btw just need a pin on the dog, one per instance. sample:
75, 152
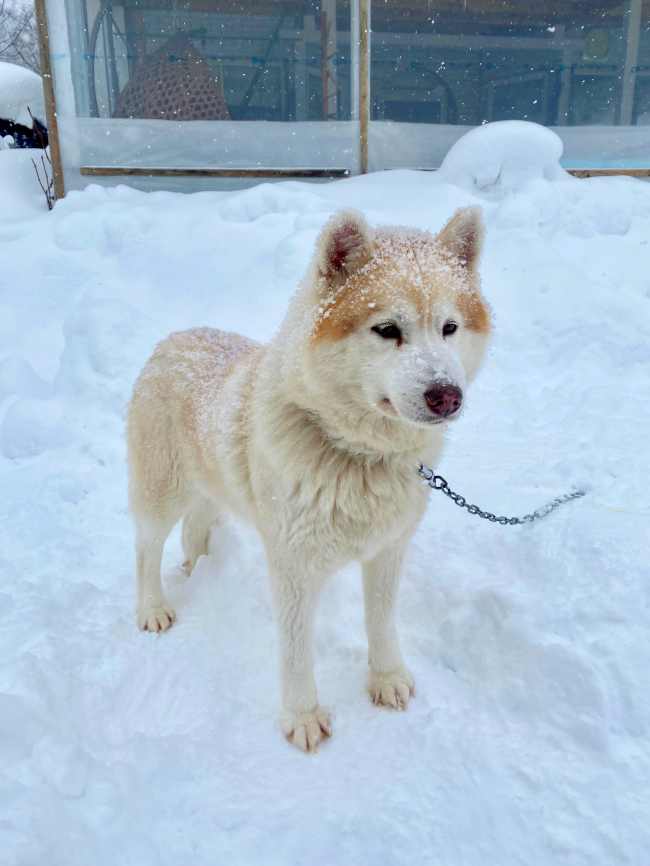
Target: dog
316, 437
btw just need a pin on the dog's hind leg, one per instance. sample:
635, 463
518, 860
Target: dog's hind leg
198, 521
154, 611
158, 498
159, 493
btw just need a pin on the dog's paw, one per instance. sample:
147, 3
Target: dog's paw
391, 690
307, 730
158, 618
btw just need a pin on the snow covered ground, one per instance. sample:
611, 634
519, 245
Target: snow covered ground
528, 739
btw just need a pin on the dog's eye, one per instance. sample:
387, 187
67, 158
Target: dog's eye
449, 328
389, 331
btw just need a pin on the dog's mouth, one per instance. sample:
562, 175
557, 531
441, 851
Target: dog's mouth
387, 408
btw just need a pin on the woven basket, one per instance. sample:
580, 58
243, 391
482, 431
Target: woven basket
174, 83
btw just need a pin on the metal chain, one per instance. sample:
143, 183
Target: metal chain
437, 482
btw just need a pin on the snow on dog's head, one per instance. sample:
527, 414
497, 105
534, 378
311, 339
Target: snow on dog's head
399, 326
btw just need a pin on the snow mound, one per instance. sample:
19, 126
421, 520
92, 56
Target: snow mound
268, 199
20, 89
31, 427
20, 195
504, 156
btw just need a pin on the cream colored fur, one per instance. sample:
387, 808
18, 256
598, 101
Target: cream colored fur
316, 441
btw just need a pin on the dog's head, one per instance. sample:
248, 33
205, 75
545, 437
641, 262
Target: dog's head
400, 326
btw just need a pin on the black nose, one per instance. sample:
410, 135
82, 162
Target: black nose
444, 400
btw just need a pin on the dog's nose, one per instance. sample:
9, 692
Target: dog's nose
444, 400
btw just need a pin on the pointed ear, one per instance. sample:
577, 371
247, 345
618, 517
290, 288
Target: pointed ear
463, 236
344, 246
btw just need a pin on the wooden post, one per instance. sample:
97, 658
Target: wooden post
364, 83
50, 99
140, 171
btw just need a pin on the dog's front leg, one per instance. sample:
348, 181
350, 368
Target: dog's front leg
389, 681
295, 593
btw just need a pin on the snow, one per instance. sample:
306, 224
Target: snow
503, 156
528, 738
21, 198
20, 90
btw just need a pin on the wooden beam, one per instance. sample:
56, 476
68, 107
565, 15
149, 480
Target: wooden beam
49, 97
591, 172
364, 83
609, 172
139, 171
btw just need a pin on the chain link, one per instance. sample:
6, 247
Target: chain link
437, 482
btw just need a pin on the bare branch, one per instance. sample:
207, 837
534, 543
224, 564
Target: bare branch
18, 35
46, 182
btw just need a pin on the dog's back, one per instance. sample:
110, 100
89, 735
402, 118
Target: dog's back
189, 391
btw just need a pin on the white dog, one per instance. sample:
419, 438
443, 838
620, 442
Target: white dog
315, 437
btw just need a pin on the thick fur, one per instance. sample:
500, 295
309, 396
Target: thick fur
315, 437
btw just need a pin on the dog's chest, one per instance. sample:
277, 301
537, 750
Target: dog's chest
354, 510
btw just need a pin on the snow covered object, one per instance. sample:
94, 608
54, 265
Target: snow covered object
21, 92
503, 156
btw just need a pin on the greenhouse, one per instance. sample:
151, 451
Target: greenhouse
192, 94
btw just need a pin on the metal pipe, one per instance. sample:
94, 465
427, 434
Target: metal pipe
628, 81
354, 60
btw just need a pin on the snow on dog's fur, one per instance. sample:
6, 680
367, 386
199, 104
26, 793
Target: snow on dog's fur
315, 437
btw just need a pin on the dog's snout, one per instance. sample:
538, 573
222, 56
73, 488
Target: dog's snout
444, 400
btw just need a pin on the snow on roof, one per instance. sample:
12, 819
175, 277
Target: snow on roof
20, 89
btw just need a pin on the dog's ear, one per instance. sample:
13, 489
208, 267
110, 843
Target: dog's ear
462, 236
344, 246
